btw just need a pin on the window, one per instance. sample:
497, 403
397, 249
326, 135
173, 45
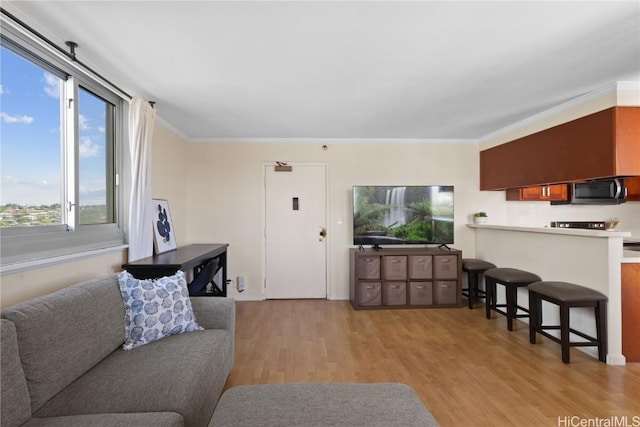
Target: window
60, 141
31, 143
95, 158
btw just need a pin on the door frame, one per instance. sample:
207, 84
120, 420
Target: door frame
327, 247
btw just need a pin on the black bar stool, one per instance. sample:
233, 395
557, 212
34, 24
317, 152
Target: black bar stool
511, 279
474, 268
567, 295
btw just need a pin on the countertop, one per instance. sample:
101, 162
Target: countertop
628, 256
553, 230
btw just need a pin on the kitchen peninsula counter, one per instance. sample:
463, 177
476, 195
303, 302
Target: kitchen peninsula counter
628, 256
554, 230
590, 258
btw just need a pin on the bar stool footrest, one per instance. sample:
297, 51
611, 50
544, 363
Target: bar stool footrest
481, 294
590, 343
497, 309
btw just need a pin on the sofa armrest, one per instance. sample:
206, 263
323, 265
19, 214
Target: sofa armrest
215, 312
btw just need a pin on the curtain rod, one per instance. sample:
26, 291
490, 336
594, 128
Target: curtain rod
68, 56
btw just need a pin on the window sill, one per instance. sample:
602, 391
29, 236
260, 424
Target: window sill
45, 262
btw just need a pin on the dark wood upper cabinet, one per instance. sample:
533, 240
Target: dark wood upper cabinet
600, 145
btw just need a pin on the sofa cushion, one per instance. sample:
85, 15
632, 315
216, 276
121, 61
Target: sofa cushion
316, 404
63, 335
182, 373
146, 419
15, 405
155, 308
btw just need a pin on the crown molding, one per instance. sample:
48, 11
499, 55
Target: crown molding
172, 128
330, 140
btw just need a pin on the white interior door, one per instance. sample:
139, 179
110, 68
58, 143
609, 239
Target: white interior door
295, 232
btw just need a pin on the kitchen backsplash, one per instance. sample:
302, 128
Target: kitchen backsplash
540, 214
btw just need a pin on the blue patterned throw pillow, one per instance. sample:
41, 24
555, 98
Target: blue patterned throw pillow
155, 308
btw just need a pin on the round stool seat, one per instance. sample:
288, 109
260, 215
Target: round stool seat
511, 276
471, 264
474, 269
566, 292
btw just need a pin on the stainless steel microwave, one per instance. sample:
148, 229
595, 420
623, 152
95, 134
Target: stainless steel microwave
599, 192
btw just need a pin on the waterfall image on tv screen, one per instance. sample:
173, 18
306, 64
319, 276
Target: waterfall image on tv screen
400, 215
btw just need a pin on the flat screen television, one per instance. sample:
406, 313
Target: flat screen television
402, 215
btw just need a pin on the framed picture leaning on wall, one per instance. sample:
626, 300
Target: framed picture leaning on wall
164, 238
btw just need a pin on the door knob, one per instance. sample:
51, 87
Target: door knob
323, 234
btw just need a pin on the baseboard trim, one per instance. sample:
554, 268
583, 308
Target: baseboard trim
248, 297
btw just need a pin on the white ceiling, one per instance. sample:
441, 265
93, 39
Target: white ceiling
348, 69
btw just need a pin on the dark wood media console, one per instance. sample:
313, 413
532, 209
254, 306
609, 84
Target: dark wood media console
405, 278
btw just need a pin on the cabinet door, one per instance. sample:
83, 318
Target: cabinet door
632, 184
556, 192
631, 311
533, 193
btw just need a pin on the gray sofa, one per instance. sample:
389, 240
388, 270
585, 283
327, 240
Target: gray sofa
63, 363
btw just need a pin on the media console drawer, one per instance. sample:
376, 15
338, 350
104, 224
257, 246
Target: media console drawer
369, 267
405, 278
420, 266
369, 294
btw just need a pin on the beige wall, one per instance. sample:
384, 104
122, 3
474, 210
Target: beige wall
168, 181
216, 194
226, 194
18, 287
169, 172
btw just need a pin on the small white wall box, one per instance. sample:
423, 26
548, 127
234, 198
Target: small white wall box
242, 283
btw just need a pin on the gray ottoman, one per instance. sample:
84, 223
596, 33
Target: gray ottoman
319, 405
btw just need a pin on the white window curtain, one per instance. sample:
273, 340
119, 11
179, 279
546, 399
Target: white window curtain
142, 118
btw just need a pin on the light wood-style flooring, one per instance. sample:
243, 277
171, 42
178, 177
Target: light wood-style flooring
468, 371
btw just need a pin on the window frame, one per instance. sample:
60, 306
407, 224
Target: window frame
24, 245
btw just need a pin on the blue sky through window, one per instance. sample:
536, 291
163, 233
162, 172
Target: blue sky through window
30, 141
92, 149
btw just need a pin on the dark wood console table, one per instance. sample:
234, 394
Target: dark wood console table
184, 258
